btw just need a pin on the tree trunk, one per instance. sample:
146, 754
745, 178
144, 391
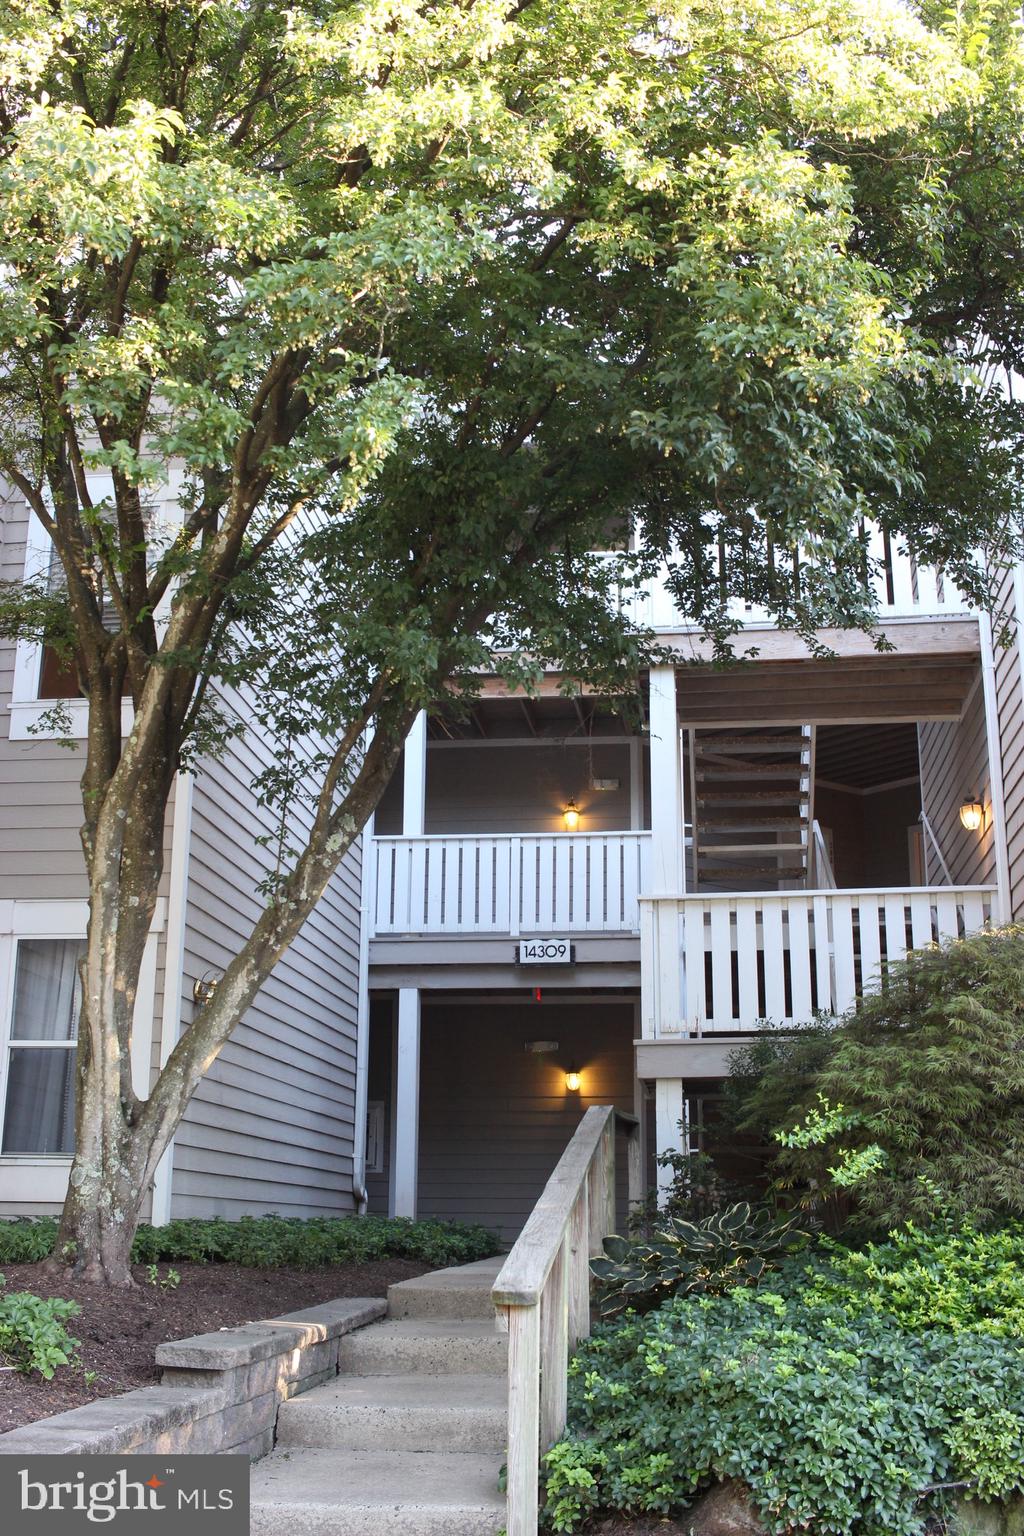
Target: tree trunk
120, 1138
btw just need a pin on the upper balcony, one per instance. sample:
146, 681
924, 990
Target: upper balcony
902, 589
541, 883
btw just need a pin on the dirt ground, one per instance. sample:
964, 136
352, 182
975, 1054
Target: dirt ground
120, 1330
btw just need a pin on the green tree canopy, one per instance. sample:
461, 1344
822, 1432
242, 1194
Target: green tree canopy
413, 304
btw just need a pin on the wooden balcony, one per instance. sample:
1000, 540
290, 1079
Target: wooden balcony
726, 964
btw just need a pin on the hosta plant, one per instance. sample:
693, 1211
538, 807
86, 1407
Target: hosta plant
728, 1248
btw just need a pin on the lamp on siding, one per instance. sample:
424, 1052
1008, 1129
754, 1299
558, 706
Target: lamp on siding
573, 1080
571, 815
972, 814
203, 989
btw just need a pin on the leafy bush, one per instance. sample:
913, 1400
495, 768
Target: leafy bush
929, 1077
272, 1242
27, 1240
728, 1248
837, 1423
962, 1280
841, 1394
32, 1332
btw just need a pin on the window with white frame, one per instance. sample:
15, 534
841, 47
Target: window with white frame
41, 678
41, 1048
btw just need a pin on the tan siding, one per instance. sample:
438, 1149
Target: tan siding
954, 764
270, 1127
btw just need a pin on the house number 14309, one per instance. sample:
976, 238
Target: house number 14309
544, 952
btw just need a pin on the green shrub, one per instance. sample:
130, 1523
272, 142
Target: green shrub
841, 1394
32, 1332
27, 1240
929, 1078
963, 1280
728, 1248
837, 1424
273, 1242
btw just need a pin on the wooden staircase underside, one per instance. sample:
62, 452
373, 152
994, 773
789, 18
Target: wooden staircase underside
855, 691
751, 796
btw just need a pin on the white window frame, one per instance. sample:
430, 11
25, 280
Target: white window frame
33, 1178
27, 709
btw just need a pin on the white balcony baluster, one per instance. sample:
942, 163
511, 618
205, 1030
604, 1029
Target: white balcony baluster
725, 964
536, 883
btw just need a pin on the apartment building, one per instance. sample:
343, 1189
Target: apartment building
568, 909
558, 904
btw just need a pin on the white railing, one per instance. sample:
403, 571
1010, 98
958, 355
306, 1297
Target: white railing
902, 588
557, 882
542, 1295
822, 873
726, 963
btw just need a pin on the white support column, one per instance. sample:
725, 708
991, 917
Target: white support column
668, 1113
174, 965
414, 783
406, 1104
667, 832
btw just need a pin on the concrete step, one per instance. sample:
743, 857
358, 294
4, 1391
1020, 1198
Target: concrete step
376, 1493
401, 1413
462, 1294
424, 1346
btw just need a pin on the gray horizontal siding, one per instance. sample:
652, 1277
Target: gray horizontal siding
1010, 707
513, 788
271, 1126
40, 807
495, 1118
954, 764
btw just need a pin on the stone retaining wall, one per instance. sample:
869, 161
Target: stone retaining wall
218, 1392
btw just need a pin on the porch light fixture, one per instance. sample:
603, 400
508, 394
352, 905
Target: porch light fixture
203, 989
972, 814
573, 1081
571, 815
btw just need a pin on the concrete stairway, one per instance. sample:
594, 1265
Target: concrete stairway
409, 1438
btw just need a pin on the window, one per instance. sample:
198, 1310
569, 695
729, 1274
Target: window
39, 1112
40, 676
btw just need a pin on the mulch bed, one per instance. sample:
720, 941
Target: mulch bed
119, 1330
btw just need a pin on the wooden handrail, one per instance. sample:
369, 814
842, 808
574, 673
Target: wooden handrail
543, 1295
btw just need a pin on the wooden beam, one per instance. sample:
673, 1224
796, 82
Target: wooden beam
910, 637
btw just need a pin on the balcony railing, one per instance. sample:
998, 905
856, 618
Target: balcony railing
902, 587
725, 964
555, 882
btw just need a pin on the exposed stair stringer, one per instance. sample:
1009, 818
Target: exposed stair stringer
751, 806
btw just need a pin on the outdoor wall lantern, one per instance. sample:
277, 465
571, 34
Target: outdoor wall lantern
573, 1080
203, 989
972, 814
571, 815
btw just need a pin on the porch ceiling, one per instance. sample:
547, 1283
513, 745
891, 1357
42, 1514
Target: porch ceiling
851, 691
496, 717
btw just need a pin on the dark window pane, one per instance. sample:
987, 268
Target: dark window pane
57, 678
40, 1114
